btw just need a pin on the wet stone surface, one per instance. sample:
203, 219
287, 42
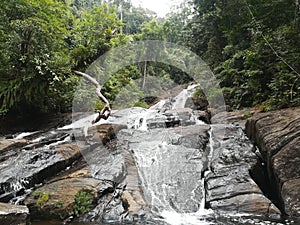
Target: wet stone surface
154, 166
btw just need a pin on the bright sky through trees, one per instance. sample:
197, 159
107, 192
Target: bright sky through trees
161, 7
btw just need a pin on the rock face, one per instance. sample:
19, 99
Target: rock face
31, 164
277, 135
238, 117
60, 199
13, 214
196, 103
143, 162
229, 186
105, 132
8, 144
170, 162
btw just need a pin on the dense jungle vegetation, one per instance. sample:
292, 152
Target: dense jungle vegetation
252, 46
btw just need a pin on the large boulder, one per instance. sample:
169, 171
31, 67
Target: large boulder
238, 117
105, 132
9, 144
25, 168
132, 196
277, 135
229, 185
62, 198
14, 214
196, 103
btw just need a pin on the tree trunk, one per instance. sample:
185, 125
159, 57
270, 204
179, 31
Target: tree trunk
145, 75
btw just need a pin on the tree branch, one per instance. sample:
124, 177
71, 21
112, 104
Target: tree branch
106, 111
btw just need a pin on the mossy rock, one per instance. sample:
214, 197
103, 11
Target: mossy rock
198, 101
63, 198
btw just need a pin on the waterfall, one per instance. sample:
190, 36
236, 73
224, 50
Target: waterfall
178, 166
170, 174
200, 216
181, 98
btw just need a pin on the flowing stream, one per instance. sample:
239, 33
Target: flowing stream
171, 172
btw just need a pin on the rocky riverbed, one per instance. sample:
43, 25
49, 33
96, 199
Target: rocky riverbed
163, 165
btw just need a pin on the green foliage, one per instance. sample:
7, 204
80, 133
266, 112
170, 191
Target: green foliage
99, 105
42, 198
141, 104
59, 204
41, 41
247, 115
257, 61
199, 94
93, 34
253, 49
133, 18
83, 203
35, 52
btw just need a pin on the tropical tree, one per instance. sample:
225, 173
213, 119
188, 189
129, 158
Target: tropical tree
34, 51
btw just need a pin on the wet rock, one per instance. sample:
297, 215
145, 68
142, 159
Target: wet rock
195, 136
27, 168
155, 119
184, 116
229, 185
14, 214
128, 117
170, 162
254, 203
289, 192
133, 201
204, 116
132, 196
144, 161
60, 199
105, 165
238, 117
10, 147
104, 160
9, 144
126, 202
49, 139
110, 209
277, 135
196, 103
105, 132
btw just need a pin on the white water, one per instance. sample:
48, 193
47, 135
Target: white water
79, 123
24, 134
211, 145
159, 105
136, 119
141, 121
182, 97
197, 218
161, 166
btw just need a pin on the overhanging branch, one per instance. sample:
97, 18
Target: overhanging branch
106, 111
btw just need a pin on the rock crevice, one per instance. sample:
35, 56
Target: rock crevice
277, 134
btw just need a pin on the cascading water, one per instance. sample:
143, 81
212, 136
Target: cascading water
181, 98
171, 175
176, 156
